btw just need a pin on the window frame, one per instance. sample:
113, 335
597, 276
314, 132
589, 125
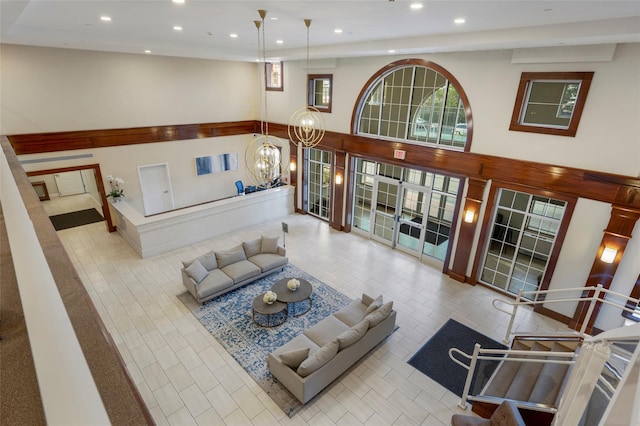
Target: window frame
527, 79
311, 80
268, 73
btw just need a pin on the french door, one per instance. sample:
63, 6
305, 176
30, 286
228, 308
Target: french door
398, 212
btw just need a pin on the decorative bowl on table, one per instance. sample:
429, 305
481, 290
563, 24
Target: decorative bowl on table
269, 297
293, 284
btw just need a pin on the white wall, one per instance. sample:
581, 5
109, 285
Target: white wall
607, 139
49, 90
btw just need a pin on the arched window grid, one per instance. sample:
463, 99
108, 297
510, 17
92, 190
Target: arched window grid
414, 104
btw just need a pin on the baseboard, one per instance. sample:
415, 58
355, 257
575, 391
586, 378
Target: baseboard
553, 315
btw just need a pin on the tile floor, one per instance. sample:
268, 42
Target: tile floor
187, 378
71, 203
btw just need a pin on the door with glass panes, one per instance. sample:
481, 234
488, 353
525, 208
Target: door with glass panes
318, 182
523, 234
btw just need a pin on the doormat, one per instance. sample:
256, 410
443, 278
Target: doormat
73, 219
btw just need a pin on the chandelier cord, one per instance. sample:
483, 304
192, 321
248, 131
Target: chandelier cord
260, 76
263, 14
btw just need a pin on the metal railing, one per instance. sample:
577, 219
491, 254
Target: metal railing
599, 296
500, 355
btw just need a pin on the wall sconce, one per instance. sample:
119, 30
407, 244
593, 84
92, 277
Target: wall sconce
469, 215
608, 255
338, 179
292, 166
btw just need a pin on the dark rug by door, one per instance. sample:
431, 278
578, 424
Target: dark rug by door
73, 219
433, 358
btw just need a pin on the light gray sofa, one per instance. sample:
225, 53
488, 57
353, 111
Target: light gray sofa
218, 272
312, 360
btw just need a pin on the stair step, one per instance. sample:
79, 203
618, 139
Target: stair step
526, 377
551, 378
504, 374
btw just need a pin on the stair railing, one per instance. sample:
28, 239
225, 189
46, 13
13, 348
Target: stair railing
500, 355
599, 296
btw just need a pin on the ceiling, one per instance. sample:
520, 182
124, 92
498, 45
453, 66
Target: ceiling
369, 27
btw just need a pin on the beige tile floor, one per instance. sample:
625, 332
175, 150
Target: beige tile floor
187, 378
71, 203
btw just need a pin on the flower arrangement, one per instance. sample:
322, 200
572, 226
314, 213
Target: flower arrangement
293, 284
269, 297
116, 184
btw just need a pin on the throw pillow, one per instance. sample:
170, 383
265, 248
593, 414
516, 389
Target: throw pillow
352, 335
227, 257
318, 359
251, 248
208, 260
377, 316
269, 245
294, 357
196, 271
374, 305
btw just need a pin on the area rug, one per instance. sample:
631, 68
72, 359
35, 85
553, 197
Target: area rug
228, 319
433, 358
73, 219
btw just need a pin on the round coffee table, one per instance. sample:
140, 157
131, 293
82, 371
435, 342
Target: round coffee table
268, 311
301, 295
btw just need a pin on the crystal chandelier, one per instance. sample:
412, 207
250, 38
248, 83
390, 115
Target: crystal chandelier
263, 158
306, 125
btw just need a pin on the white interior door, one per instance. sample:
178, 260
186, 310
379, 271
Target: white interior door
155, 183
70, 183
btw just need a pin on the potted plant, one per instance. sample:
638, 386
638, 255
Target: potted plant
117, 192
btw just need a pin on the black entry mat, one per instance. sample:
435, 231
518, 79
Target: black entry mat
73, 219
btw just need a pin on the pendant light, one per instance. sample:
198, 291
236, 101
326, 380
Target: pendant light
306, 125
263, 158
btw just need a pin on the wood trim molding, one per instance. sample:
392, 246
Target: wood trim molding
620, 190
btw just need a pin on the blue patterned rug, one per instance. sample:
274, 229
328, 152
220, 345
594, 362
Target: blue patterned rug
228, 319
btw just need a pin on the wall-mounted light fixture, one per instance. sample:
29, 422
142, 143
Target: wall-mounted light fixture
469, 215
338, 179
608, 255
292, 166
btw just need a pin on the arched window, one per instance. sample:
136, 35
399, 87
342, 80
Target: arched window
417, 101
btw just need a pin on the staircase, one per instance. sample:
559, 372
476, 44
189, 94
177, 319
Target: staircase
532, 374
560, 380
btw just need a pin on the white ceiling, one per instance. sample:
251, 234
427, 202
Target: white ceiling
369, 27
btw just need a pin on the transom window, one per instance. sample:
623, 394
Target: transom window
415, 103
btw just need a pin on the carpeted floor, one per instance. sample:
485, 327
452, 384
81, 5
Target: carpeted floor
433, 358
73, 219
228, 318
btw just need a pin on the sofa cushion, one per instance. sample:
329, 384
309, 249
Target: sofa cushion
351, 314
374, 305
227, 257
251, 248
196, 271
318, 359
299, 342
268, 261
216, 281
241, 270
208, 260
269, 245
326, 330
353, 334
377, 316
294, 357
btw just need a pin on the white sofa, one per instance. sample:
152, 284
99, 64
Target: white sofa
218, 272
312, 360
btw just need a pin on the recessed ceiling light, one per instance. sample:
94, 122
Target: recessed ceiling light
178, 1
416, 6
337, 31
459, 20
147, 51
279, 41
177, 27
105, 18
233, 35
273, 18
391, 51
